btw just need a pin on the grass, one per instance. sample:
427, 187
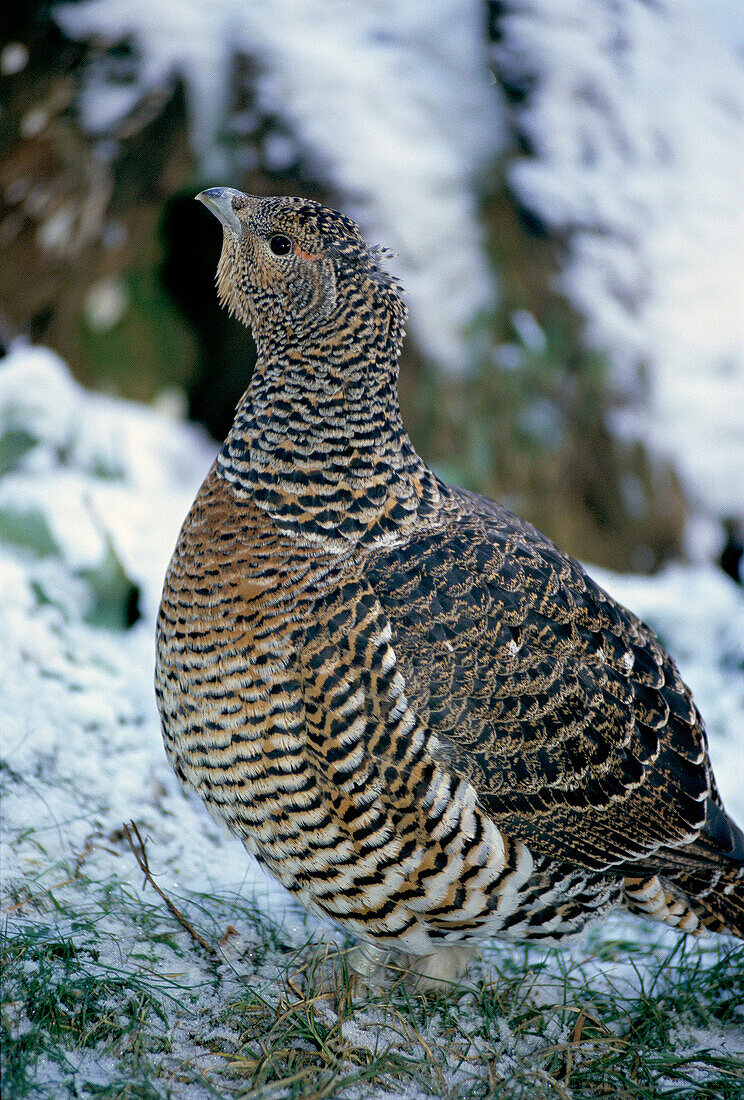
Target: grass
106, 994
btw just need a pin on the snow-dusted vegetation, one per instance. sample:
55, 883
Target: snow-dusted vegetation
402, 134
634, 118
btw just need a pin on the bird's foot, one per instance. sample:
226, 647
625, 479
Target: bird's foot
371, 963
330, 976
440, 972
436, 973
335, 976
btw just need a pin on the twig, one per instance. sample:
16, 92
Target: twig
140, 854
41, 894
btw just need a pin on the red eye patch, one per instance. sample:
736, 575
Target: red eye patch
306, 255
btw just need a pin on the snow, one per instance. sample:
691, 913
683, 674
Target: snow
392, 104
80, 745
80, 731
636, 121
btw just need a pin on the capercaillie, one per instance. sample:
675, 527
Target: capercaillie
426, 720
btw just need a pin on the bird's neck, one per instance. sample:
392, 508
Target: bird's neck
319, 444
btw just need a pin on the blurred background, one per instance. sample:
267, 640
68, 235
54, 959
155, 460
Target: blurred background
562, 183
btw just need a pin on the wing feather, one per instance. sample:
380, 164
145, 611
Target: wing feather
558, 704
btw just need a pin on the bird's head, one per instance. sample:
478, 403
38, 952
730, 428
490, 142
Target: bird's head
291, 264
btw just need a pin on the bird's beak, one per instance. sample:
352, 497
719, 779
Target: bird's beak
220, 201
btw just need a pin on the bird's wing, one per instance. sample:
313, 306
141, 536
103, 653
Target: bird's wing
555, 702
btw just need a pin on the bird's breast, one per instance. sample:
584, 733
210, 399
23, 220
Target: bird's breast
236, 598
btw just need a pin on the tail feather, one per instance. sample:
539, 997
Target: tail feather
715, 896
698, 886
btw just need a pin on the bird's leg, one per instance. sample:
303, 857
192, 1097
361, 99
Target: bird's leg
370, 961
426, 973
331, 975
435, 973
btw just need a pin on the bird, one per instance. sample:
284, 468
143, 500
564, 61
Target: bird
421, 716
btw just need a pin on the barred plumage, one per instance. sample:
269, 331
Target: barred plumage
424, 718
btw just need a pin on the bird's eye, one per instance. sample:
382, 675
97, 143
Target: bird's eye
280, 245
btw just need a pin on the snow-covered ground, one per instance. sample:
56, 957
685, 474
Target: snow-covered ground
101, 481
95, 488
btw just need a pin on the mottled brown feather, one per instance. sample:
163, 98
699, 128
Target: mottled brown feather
423, 717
